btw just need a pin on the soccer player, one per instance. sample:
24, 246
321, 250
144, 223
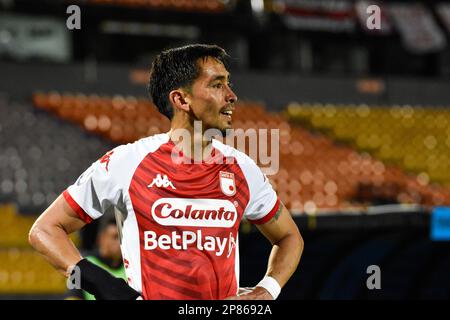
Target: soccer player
178, 219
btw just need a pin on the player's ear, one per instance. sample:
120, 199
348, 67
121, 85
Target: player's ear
179, 99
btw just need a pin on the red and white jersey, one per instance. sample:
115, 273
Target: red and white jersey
178, 222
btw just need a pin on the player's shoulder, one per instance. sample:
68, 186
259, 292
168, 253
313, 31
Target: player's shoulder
142, 146
242, 159
252, 172
131, 154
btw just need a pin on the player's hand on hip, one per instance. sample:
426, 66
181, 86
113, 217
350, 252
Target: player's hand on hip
257, 293
245, 290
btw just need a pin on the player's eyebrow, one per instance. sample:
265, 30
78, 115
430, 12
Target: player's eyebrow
221, 78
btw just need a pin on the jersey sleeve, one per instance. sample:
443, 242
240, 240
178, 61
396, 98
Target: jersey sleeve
98, 189
264, 202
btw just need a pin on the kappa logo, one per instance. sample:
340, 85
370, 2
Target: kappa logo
227, 183
106, 158
161, 182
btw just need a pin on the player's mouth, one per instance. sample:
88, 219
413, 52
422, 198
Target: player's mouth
227, 113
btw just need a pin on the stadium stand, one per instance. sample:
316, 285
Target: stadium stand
393, 135
414, 138
35, 163
35, 166
307, 179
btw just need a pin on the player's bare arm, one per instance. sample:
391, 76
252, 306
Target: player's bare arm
50, 235
287, 249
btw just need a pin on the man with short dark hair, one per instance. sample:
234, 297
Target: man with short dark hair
179, 198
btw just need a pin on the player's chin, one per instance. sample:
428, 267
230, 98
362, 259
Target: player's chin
226, 128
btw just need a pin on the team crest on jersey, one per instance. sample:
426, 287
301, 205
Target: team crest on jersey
227, 183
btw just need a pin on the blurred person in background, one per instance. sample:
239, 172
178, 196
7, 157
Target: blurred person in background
107, 256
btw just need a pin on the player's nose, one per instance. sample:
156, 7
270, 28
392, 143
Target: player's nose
231, 97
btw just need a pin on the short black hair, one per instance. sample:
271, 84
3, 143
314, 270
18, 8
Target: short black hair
106, 221
178, 68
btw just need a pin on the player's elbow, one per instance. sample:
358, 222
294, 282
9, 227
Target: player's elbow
298, 241
35, 235
293, 242
301, 243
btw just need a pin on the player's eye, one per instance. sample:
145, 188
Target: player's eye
218, 85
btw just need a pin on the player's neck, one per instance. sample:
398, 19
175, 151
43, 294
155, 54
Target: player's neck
190, 140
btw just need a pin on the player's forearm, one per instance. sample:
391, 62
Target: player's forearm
53, 242
285, 257
55, 245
